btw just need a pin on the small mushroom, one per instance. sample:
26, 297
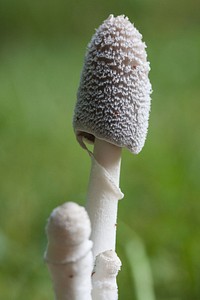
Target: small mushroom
104, 285
68, 254
112, 112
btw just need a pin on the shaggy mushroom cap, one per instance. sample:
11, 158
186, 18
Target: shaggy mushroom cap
113, 100
68, 230
68, 224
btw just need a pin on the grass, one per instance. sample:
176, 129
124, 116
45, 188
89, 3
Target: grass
41, 165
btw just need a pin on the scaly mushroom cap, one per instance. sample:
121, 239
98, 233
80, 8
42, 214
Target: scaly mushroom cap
113, 100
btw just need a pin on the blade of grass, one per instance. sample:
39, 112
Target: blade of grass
141, 274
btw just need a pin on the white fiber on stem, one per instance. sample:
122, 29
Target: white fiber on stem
68, 255
103, 195
107, 266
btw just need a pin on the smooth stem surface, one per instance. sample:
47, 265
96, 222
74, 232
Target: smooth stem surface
72, 281
103, 195
109, 157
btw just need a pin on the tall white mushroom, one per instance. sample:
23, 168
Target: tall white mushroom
112, 111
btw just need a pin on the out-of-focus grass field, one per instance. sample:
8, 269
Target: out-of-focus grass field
42, 44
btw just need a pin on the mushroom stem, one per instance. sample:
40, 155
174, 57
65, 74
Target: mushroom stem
109, 156
103, 195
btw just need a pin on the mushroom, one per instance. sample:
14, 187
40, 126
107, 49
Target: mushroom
104, 285
112, 112
68, 254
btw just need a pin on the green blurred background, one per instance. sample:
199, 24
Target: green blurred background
42, 44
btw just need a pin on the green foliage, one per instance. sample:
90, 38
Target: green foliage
42, 165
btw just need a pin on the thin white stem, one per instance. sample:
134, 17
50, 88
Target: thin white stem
107, 266
68, 255
103, 195
109, 156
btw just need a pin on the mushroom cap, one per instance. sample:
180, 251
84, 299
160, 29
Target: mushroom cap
113, 100
68, 225
68, 230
